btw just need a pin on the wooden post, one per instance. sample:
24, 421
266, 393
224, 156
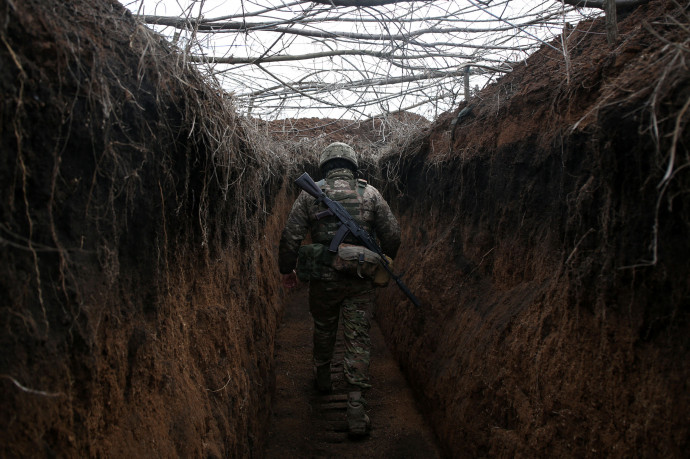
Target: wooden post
467, 83
251, 107
611, 21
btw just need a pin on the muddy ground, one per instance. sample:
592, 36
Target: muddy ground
546, 235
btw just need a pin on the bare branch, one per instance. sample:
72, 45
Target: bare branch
32, 391
599, 4
301, 57
365, 3
244, 27
357, 57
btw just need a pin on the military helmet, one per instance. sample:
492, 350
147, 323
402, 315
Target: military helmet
338, 150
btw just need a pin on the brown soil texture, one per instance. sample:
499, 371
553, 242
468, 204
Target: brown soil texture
551, 255
140, 219
357, 133
136, 319
305, 423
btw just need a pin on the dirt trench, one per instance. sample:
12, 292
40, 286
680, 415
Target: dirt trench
135, 319
545, 234
306, 424
140, 218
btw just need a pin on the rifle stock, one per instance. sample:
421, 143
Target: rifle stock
348, 225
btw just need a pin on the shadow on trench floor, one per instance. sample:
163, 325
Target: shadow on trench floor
305, 424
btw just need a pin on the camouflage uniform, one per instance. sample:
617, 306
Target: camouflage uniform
337, 291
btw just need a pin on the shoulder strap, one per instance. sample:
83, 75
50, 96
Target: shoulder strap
361, 186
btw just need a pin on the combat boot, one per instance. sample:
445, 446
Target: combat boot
322, 378
358, 423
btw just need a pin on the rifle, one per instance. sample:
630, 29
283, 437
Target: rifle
349, 226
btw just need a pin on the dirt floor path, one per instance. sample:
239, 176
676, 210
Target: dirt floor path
306, 424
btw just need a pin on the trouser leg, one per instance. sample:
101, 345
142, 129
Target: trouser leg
325, 313
325, 330
356, 325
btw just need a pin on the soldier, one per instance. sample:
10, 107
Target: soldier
332, 292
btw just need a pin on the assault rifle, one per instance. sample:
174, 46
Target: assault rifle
349, 226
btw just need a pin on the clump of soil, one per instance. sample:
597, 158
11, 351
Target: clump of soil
546, 235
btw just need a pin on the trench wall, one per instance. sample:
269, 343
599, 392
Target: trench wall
138, 225
550, 255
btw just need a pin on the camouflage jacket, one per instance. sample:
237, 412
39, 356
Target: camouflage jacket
373, 214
